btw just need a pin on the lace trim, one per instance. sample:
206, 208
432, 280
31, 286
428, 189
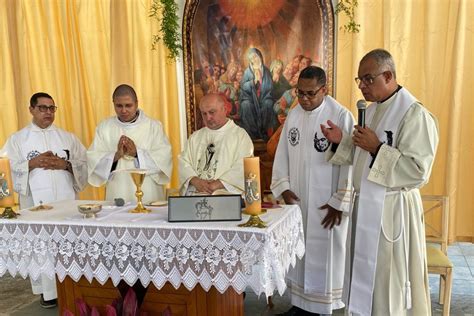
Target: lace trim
240, 259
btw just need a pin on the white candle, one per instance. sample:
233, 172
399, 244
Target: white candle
253, 200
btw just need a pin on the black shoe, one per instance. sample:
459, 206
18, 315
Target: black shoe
293, 311
48, 304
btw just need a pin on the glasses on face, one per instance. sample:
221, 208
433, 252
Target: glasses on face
367, 79
309, 94
45, 108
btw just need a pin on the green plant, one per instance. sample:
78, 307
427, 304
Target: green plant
164, 11
348, 7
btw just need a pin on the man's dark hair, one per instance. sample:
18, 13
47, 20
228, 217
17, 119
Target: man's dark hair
313, 72
34, 98
124, 89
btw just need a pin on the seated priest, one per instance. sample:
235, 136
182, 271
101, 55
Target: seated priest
213, 157
48, 164
129, 140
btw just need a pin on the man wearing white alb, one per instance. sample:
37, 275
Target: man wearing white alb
392, 158
48, 164
301, 175
213, 156
127, 141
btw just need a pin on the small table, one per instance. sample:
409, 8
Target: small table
195, 268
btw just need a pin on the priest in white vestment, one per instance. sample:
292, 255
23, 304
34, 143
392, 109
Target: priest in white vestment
301, 175
48, 164
213, 156
129, 140
392, 158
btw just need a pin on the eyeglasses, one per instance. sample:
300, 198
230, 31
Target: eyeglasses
367, 79
309, 94
45, 108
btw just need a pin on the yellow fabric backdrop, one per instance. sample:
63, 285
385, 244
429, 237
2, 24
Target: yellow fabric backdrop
79, 51
432, 42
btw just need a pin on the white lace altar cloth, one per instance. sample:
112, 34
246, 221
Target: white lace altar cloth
146, 247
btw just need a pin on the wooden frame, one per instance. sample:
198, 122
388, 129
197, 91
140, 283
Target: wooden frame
278, 33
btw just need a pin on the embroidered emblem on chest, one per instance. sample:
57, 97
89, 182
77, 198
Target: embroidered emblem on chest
320, 144
294, 136
32, 154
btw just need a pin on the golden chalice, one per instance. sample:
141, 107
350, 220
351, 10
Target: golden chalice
138, 177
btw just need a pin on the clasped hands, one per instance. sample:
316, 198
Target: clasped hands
125, 147
206, 186
363, 137
48, 161
333, 216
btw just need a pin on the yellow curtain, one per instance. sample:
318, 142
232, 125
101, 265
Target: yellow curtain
78, 52
432, 42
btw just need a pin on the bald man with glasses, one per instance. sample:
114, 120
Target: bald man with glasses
48, 164
392, 157
301, 175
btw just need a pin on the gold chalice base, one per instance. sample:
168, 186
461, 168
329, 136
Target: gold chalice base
140, 209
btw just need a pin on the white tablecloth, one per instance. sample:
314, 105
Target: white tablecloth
125, 246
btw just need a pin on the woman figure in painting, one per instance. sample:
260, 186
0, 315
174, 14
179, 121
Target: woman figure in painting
228, 88
280, 84
256, 102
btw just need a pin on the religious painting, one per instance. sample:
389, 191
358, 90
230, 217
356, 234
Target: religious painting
251, 52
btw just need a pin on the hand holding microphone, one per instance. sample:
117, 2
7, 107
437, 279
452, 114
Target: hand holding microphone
361, 106
363, 136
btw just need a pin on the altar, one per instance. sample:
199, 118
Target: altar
193, 268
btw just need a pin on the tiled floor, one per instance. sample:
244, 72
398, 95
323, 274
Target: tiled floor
16, 298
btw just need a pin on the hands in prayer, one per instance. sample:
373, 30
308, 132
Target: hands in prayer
290, 197
125, 147
258, 76
48, 161
333, 217
366, 139
206, 186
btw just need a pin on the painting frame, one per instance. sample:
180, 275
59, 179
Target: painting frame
189, 18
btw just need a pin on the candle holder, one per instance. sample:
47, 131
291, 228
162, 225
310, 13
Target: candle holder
9, 213
252, 196
138, 177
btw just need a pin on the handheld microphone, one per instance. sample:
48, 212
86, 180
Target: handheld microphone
361, 105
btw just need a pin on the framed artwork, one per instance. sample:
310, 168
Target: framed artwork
251, 52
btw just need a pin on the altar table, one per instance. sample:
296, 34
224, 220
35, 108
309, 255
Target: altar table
199, 268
